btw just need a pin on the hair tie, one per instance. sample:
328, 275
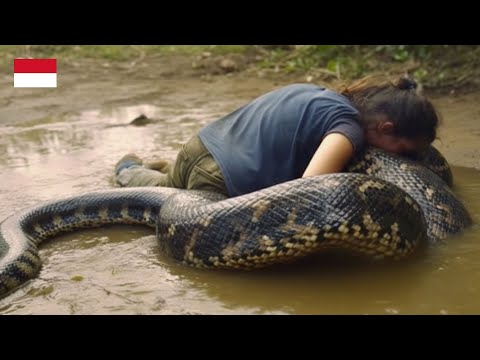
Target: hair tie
407, 84
411, 86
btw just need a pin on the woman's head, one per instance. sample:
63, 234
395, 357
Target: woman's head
394, 116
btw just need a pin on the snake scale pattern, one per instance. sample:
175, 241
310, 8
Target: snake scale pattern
384, 207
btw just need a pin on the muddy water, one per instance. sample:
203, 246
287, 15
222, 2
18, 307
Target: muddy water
119, 270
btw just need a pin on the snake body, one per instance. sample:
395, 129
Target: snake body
386, 207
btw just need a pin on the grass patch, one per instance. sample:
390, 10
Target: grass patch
434, 66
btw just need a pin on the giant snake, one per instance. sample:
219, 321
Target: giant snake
384, 207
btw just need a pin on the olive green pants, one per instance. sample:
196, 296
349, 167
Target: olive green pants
194, 169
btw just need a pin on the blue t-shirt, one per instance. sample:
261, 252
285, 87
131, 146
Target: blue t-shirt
273, 138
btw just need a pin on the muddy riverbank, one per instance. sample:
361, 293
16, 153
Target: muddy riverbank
57, 142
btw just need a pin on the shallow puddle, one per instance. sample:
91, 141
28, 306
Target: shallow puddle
119, 269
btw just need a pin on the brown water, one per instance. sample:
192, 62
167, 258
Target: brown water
119, 270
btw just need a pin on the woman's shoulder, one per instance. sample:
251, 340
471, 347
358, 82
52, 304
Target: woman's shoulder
316, 90
304, 86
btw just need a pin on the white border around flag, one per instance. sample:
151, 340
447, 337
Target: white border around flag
34, 80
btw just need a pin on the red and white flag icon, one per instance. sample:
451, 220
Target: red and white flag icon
35, 73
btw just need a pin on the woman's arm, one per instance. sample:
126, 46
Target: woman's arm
331, 156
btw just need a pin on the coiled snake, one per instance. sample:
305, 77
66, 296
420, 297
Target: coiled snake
385, 207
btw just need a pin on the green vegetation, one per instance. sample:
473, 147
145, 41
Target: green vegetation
434, 66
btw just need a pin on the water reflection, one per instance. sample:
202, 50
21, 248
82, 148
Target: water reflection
57, 156
105, 131
120, 269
